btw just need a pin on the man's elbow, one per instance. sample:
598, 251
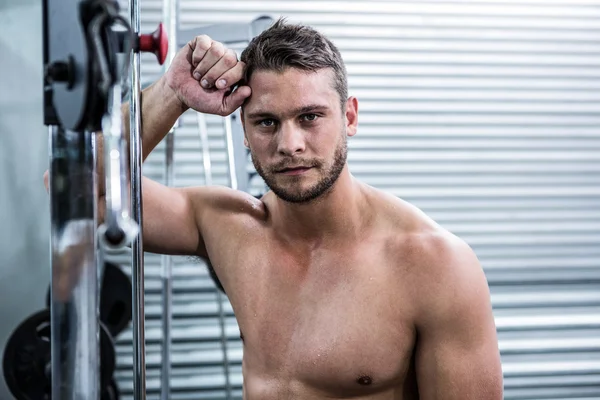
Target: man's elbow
492, 388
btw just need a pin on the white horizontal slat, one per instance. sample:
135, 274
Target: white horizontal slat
406, 7
421, 69
448, 59
484, 79
464, 46
508, 120
193, 18
552, 368
548, 322
549, 345
463, 34
367, 91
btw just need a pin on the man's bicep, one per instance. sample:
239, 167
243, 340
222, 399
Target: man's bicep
457, 353
170, 225
458, 366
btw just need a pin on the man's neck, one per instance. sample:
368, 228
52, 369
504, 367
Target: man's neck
338, 213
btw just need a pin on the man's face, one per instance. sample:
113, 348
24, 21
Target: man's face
297, 132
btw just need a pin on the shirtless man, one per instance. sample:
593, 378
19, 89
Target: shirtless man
340, 290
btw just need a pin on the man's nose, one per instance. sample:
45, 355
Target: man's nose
291, 140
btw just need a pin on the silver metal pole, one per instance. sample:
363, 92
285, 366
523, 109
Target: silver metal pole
118, 229
137, 254
203, 130
167, 288
224, 346
75, 347
234, 183
170, 19
231, 160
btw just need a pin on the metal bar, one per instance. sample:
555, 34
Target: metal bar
235, 133
234, 183
167, 269
228, 389
118, 229
231, 159
137, 254
75, 354
170, 19
203, 130
167, 288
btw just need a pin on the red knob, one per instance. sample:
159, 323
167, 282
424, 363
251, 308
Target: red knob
156, 42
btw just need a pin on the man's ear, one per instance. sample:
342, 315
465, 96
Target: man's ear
351, 116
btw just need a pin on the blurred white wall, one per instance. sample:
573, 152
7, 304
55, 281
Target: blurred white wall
24, 212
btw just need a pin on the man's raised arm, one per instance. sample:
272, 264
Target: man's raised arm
170, 215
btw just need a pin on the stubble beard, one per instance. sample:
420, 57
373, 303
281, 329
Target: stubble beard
290, 191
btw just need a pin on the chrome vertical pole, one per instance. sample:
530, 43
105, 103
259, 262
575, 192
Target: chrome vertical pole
75, 358
137, 254
234, 184
220, 299
170, 18
203, 130
231, 159
167, 289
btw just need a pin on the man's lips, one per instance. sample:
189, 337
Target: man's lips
294, 171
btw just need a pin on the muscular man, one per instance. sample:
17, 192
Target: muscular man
340, 290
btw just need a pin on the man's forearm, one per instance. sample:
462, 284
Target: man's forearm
160, 110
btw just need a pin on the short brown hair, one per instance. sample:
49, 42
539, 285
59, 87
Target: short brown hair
285, 45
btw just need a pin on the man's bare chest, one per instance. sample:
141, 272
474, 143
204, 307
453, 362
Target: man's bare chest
336, 323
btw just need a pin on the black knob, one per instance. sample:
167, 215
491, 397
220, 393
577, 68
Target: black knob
61, 71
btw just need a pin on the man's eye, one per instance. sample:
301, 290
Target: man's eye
267, 123
310, 117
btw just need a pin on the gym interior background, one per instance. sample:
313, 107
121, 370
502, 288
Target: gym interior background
486, 114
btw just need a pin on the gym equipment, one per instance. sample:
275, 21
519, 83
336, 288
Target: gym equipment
137, 246
115, 299
27, 363
170, 17
111, 392
82, 95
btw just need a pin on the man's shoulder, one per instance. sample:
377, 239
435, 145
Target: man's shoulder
409, 228
430, 254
